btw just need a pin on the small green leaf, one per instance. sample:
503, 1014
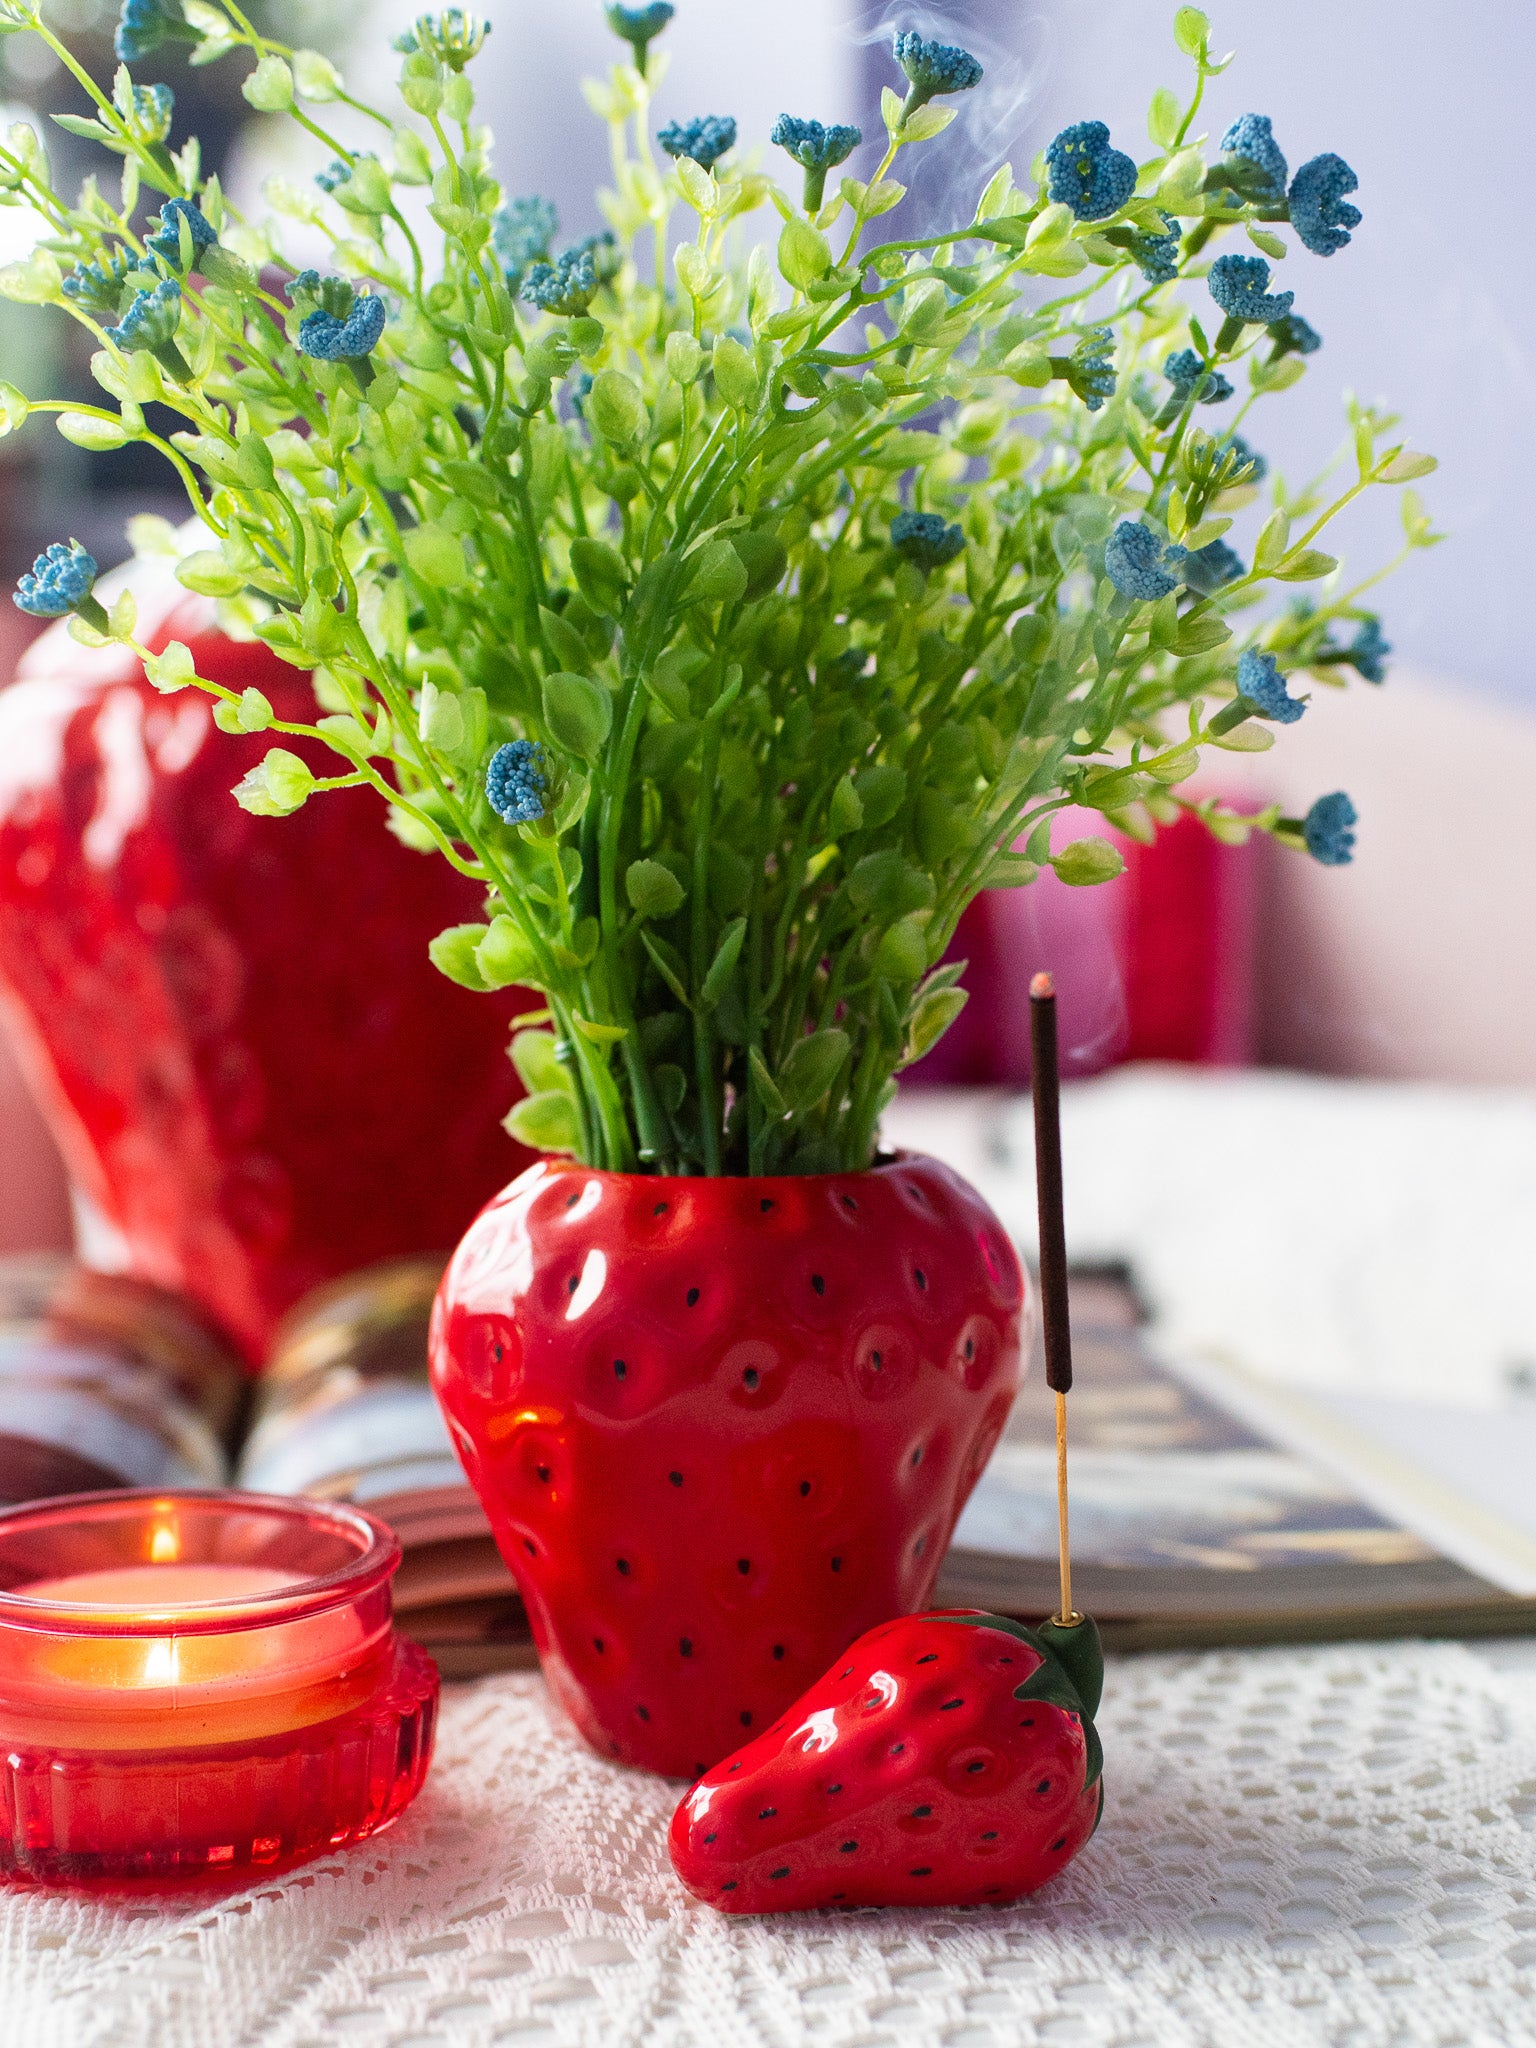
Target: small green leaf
1404, 468
276, 787
535, 1054
269, 88
1192, 31
578, 713
1087, 861
545, 1122
1010, 870
902, 953
804, 254
721, 968
1199, 636
505, 956
719, 574
14, 407
452, 953
811, 1066
616, 408
436, 556
598, 1034
172, 669
1270, 244
934, 1014
87, 430
600, 572
845, 813
1306, 567
653, 890
763, 1082
1163, 117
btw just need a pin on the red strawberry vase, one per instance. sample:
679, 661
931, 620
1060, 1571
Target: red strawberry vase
722, 1427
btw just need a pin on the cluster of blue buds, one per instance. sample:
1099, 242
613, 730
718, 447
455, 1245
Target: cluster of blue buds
1187, 373
607, 259
1294, 336
1240, 286
146, 111
522, 231
60, 581
1091, 369
514, 783
706, 138
567, 286
150, 325
816, 149
933, 68
1367, 653
166, 241
1157, 256
1083, 172
639, 26
1329, 830
97, 288
1317, 208
1212, 567
144, 25
330, 339
1139, 565
926, 540
335, 173
1260, 682
453, 36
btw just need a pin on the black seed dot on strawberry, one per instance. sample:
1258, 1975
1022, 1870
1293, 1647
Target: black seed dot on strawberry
743, 1565
874, 1699
837, 1896
921, 1812
572, 1284
818, 1283
768, 1813
528, 1546
729, 1885
1028, 1721
676, 1478
750, 1378
698, 1772
805, 1487
597, 1644
976, 1764
660, 1209
922, 1870
737, 1767
846, 1674
897, 1748
707, 1840
746, 1722
644, 1713
990, 1835
685, 1646
837, 1564
921, 1278
497, 1354
951, 1703
572, 1200
543, 1472
970, 1347
765, 1204
920, 1546
1043, 1787
931, 1658
782, 1871
623, 1565
876, 1360
917, 1455
692, 1296
620, 1369
847, 1848
1059, 1843
849, 1202
834, 1788
778, 1653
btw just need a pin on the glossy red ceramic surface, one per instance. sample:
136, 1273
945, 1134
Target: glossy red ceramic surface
200, 1683
943, 1762
722, 1427
257, 1077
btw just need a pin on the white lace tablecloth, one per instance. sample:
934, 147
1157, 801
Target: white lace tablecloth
1329, 1846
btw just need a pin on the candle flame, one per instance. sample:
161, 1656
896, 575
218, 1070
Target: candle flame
164, 1544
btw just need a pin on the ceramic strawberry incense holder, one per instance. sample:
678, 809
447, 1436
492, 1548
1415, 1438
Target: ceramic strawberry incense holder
949, 1758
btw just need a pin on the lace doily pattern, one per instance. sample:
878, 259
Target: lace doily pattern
1331, 1846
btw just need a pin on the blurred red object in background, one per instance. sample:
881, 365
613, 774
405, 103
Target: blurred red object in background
1156, 965
256, 1076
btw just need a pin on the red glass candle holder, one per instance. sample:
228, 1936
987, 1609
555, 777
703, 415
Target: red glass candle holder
199, 1684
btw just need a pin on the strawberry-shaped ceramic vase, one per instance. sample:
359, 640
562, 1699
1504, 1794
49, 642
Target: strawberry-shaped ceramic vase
948, 1759
722, 1426
258, 1079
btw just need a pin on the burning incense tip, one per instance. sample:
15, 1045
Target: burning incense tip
1041, 986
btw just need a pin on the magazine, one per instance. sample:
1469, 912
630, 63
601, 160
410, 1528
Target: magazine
1204, 1510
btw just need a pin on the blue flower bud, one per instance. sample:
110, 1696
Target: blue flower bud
166, 243
1139, 565
1090, 368
514, 785
1083, 172
925, 539
144, 25
1157, 256
567, 287
1369, 650
521, 233
1210, 567
706, 138
1328, 829
453, 36
151, 321
330, 339
933, 67
1238, 285
1293, 336
1260, 681
812, 146
607, 258
1250, 138
335, 173
60, 581
1186, 372
639, 26
147, 113
1320, 214
1250, 465
97, 288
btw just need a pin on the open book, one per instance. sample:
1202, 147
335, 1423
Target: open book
1203, 1509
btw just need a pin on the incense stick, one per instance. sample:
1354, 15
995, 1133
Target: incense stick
1053, 1249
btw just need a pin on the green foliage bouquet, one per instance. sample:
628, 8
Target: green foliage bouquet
733, 612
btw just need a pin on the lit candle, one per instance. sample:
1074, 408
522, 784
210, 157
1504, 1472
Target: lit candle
177, 1657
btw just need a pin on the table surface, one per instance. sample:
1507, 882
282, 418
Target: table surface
1323, 1846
